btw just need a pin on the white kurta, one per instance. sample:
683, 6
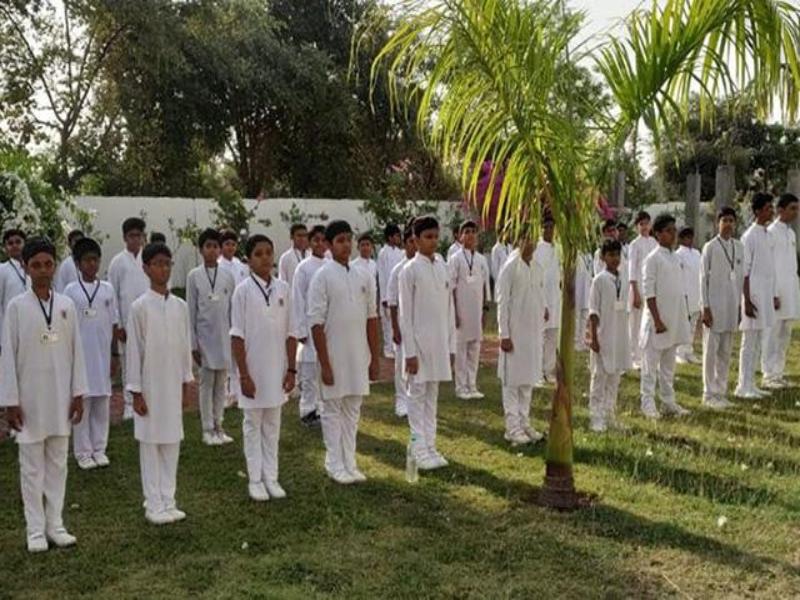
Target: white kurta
96, 320
608, 300
598, 266
342, 299
663, 280
287, 263
520, 317
264, 329
208, 296
388, 257
721, 280
369, 265
426, 316
66, 273
454, 247
583, 281
127, 277
159, 362
469, 276
13, 282
787, 284
300, 328
547, 258
500, 253
235, 267
41, 375
759, 266
690, 257
639, 249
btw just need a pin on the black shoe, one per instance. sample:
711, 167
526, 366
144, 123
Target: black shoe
312, 419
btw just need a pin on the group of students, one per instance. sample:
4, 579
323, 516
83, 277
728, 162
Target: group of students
315, 330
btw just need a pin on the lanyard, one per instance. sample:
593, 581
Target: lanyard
264, 293
469, 262
20, 274
618, 285
731, 259
48, 317
299, 255
94, 293
212, 282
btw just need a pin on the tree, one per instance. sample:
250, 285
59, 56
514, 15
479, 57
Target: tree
492, 79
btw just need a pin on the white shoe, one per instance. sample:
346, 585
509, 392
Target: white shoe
694, 360
101, 460
637, 366
427, 463
61, 538
716, 403
681, 360
400, 409
773, 384
127, 412
437, 459
223, 437
598, 426
517, 438
37, 543
463, 395
673, 408
275, 490
357, 476
476, 395
389, 355
210, 439
87, 463
651, 412
533, 435
257, 492
762, 393
158, 518
175, 514
342, 477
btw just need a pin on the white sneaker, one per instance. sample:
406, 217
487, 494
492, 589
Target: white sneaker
400, 409
357, 476
101, 460
257, 492
223, 437
87, 463
651, 412
61, 538
673, 408
37, 543
175, 514
533, 435
275, 490
762, 393
127, 412
342, 477
427, 463
158, 518
438, 460
476, 395
716, 403
210, 439
681, 360
773, 384
746, 394
694, 360
461, 395
517, 438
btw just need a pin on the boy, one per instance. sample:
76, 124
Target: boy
547, 259
96, 306
721, 281
608, 330
456, 245
608, 232
159, 359
298, 234
228, 259
126, 275
364, 259
640, 249
343, 316
209, 289
583, 284
665, 325
43, 383
388, 257
13, 280
759, 294
500, 252
469, 274
156, 237
622, 237
265, 356
428, 324
520, 322
393, 294
67, 271
690, 259
787, 292
308, 372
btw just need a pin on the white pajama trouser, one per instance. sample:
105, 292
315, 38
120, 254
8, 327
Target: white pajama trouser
603, 388
686, 351
43, 480
212, 398
386, 327
468, 355
634, 325
339, 429
159, 468
716, 362
517, 408
581, 317
261, 432
308, 379
127, 395
773, 359
753, 340
90, 436
657, 365
400, 383
423, 398
550, 343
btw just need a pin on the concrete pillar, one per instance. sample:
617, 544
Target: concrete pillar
692, 207
618, 193
725, 187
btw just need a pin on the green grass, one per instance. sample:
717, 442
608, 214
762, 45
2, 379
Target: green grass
468, 531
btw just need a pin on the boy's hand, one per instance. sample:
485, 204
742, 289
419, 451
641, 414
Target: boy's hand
708, 318
114, 366
326, 373
76, 410
121, 335
412, 366
660, 327
750, 309
374, 369
546, 315
14, 417
506, 345
594, 345
288, 381
139, 405
198, 358
248, 386
397, 338
777, 302
458, 321
637, 299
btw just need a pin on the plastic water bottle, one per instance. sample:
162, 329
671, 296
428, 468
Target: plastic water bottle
412, 473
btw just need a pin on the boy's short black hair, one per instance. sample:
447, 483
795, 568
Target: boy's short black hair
158, 238
760, 200
468, 225
227, 235
37, 245
390, 230
208, 235
9, 233
317, 230
365, 237
254, 240
408, 232
548, 218
642, 215
295, 228
663, 221
610, 246
786, 199
339, 227
609, 224
726, 211
73, 235
154, 249
622, 225
686, 232
133, 224
85, 246
425, 223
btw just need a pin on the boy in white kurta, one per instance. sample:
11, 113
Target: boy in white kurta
608, 328
364, 259
428, 324
13, 280
690, 259
665, 324
42, 384
287, 263
231, 263
759, 295
96, 307
391, 254
519, 291
343, 315
159, 356
583, 284
209, 289
456, 245
307, 367
500, 253
265, 355
126, 275
640, 248
547, 258
393, 296
787, 286
469, 275
721, 281
67, 271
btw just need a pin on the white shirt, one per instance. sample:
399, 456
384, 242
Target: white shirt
159, 361
41, 376
663, 280
721, 280
342, 300
127, 277
235, 267
787, 285
367, 264
690, 257
759, 266
469, 275
66, 273
300, 328
264, 329
427, 318
520, 317
583, 281
454, 247
96, 321
640, 248
13, 282
388, 257
393, 290
208, 297
500, 253
608, 299
288, 262
547, 258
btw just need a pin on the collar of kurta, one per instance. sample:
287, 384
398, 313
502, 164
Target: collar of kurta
345, 267
158, 295
664, 249
135, 257
260, 281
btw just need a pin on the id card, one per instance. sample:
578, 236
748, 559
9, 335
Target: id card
90, 313
733, 276
49, 338
619, 305
471, 279
213, 297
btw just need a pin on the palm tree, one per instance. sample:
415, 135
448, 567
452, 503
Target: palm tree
500, 80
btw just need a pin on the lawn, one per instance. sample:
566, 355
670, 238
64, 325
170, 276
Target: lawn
705, 507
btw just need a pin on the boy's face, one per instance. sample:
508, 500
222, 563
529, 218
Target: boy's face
210, 251
229, 248
548, 229
666, 237
612, 260
342, 246
318, 245
159, 269
365, 249
41, 267
686, 240
469, 238
622, 234
89, 265
765, 213
788, 214
134, 240
727, 226
300, 239
643, 227
395, 239
411, 247
610, 233
14, 246
428, 241
261, 259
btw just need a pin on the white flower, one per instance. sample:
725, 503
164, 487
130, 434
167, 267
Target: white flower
744, 467
770, 465
241, 474
649, 452
722, 521
245, 545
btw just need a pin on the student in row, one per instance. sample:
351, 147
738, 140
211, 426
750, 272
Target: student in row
391, 254
287, 264
640, 249
546, 257
67, 270
393, 298
364, 260
13, 279
690, 260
